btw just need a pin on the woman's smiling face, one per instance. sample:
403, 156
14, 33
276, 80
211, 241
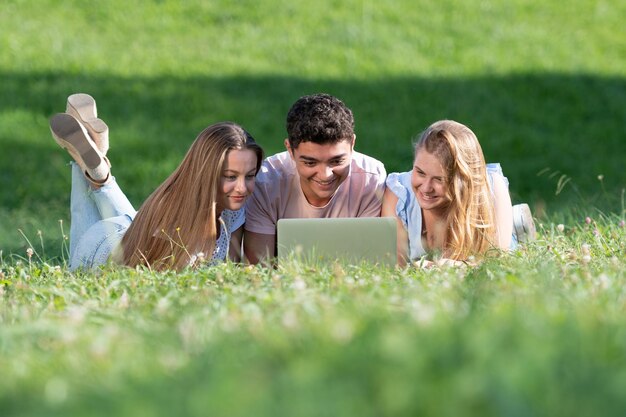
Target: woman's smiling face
429, 181
237, 181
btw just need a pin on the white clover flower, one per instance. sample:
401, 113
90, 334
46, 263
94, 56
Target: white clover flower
68, 335
76, 315
162, 305
290, 319
124, 301
604, 281
342, 330
422, 313
298, 284
187, 329
560, 227
586, 249
99, 347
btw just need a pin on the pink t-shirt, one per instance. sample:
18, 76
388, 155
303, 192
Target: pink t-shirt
278, 193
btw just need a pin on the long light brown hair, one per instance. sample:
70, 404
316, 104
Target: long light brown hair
178, 220
470, 214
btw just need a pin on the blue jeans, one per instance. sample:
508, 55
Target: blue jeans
99, 219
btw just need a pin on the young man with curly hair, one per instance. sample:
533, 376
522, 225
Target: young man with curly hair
319, 175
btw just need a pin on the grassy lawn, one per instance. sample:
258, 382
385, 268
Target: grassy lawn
538, 332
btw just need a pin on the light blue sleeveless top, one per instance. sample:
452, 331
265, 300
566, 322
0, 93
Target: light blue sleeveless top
410, 213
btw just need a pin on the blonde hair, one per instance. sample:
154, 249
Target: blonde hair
470, 213
178, 220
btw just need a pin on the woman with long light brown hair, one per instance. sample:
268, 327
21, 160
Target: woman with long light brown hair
195, 215
453, 205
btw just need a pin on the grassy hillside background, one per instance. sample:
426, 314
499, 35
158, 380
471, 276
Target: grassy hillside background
541, 83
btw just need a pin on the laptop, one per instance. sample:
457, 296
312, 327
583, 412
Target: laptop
356, 240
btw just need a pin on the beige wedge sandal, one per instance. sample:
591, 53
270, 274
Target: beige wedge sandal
71, 135
83, 108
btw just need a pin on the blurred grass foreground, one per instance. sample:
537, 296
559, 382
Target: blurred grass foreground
537, 332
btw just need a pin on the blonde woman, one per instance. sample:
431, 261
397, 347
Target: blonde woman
196, 214
452, 204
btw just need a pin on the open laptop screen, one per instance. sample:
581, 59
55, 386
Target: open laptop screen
363, 239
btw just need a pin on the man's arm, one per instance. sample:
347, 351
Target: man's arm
260, 216
259, 247
234, 249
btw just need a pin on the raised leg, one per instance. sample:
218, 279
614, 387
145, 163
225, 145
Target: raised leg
83, 210
90, 212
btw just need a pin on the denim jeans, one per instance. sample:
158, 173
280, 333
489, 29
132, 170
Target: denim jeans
99, 219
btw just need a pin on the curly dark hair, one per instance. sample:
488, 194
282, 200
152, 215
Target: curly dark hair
319, 118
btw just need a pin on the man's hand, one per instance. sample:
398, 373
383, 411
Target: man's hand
258, 247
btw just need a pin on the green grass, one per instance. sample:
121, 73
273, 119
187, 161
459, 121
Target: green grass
538, 332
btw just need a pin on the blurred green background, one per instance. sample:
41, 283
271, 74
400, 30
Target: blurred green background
541, 83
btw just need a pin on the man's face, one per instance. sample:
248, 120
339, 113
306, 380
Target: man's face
322, 168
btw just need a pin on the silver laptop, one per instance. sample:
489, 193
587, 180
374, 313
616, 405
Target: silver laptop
356, 240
